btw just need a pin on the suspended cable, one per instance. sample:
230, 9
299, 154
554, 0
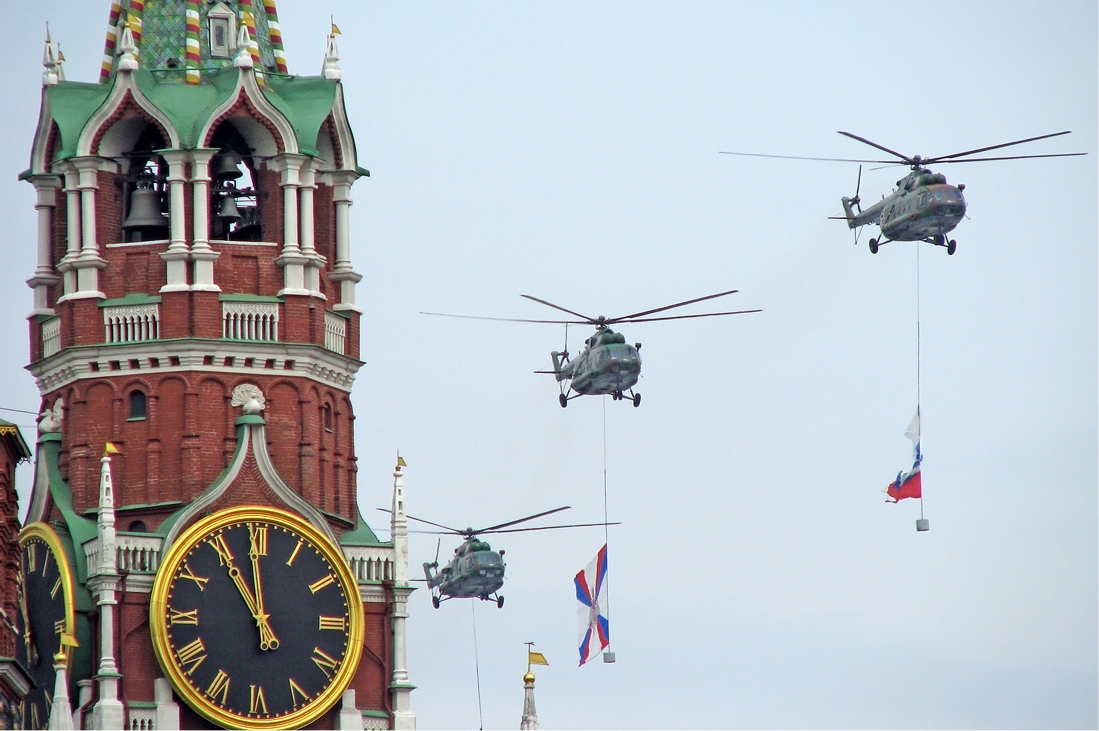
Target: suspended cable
21, 411
606, 520
918, 408
477, 665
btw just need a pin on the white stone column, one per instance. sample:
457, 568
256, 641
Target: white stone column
202, 254
308, 223
72, 213
342, 271
291, 260
108, 713
167, 710
178, 253
88, 262
44, 276
399, 688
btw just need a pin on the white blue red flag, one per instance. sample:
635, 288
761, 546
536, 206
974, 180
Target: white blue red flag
909, 484
595, 631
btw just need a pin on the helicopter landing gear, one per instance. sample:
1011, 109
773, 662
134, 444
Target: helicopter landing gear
499, 602
435, 602
951, 247
636, 400
563, 400
873, 246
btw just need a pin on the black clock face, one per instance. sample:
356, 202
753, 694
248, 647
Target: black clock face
257, 619
45, 614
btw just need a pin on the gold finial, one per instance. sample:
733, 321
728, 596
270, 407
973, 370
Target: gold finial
335, 28
400, 461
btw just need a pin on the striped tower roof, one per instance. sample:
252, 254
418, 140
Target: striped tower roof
173, 37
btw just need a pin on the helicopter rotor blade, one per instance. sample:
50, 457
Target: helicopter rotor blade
799, 157
627, 318
437, 545
551, 527
493, 528
1011, 157
908, 160
511, 319
421, 520
995, 147
585, 318
689, 317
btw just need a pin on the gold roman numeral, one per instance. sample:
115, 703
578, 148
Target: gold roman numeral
59, 626
219, 686
45, 562
32, 557
324, 661
257, 537
321, 583
193, 653
182, 617
295, 691
186, 573
294, 553
56, 588
337, 623
256, 701
218, 544
35, 721
49, 698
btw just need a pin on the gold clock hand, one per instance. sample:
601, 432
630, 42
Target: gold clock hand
32, 651
267, 638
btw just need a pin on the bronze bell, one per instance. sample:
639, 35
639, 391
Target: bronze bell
226, 167
145, 212
228, 209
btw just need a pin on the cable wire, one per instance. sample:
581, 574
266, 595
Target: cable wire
477, 665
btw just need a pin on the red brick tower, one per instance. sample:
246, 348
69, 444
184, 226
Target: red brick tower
195, 338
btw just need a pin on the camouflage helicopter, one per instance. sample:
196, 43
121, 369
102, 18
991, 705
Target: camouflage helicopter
608, 365
924, 207
476, 571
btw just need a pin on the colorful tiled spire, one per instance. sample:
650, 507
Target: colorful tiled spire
192, 52
275, 32
112, 38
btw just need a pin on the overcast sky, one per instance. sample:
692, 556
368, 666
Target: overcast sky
570, 151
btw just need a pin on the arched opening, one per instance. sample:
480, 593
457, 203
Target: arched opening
138, 405
138, 526
144, 184
234, 198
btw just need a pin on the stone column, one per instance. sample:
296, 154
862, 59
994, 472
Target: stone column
201, 252
72, 212
308, 226
291, 260
108, 713
342, 271
44, 276
400, 689
177, 254
88, 262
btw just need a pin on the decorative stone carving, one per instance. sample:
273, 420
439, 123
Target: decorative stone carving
50, 421
248, 396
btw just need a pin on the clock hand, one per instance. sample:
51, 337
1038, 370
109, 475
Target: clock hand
32, 651
265, 633
267, 639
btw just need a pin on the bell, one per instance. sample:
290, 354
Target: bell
145, 211
226, 166
228, 209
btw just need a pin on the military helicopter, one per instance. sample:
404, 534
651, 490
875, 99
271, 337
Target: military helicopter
924, 207
476, 571
607, 365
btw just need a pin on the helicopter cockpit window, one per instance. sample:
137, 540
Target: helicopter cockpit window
939, 194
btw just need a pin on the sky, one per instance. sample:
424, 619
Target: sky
758, 579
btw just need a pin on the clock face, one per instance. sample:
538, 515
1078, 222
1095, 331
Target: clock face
256, 619
45, 615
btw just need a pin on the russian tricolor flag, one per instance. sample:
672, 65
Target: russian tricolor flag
909, 484
595, 632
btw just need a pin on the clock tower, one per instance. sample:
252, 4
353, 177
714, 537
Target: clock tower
194, 534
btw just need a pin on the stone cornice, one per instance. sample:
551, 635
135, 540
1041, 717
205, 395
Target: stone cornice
74, 363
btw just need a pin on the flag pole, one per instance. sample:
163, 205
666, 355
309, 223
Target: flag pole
921, 524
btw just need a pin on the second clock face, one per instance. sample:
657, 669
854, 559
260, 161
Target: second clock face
257, 619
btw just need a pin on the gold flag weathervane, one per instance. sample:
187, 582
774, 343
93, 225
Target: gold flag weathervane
534, 658
109, 449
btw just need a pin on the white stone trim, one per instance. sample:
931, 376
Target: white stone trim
131, 323
51, 336
335, 332
250, 320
